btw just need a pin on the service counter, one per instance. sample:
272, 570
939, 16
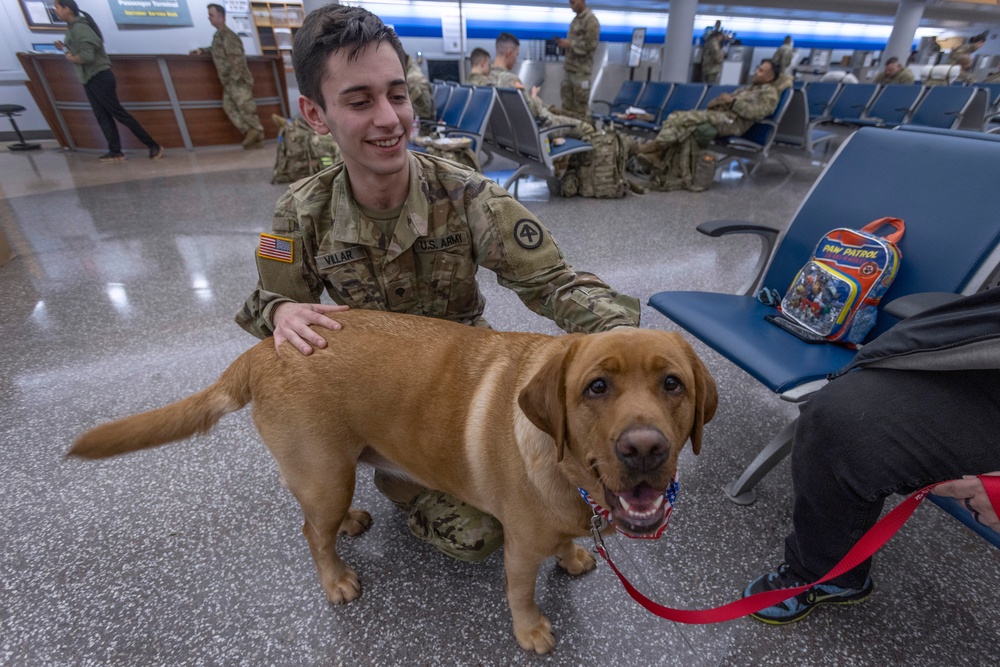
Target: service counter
177, 98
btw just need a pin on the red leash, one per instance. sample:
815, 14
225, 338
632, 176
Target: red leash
869, 543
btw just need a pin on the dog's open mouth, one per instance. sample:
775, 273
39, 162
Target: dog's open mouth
642, 509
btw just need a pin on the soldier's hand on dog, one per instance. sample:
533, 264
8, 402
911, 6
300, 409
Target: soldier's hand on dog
292, 321
970, 489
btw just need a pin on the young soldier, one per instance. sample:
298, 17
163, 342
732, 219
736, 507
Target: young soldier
479, 71
392, 230
894, 73
580, 45
237, 82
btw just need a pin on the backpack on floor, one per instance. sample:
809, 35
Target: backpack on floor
600, 172
301, 152
837, 292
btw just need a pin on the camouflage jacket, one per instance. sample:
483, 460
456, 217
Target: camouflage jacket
584, 34
955, 57
229, 58
712, 55
419, 89
903, 76
750, 103
501, 77
477, 79
453, 221
783, 56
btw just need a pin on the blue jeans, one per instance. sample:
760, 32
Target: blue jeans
873, 433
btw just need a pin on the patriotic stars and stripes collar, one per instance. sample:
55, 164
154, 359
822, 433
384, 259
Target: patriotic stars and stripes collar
602, 516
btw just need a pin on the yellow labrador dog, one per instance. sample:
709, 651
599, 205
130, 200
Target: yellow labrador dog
512, 423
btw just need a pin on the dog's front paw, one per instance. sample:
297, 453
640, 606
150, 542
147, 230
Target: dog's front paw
576, 560
344, 589
355, 523
535, 637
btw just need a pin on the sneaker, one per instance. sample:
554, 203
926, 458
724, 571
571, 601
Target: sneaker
798, 607
156, 153
112, 157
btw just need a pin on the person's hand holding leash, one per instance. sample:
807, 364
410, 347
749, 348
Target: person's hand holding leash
970, 489
292, 321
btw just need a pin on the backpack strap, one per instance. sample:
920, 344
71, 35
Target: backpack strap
896, 223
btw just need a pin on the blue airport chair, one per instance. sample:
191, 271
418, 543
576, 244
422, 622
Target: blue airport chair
442, 91
952, 108
852, 102
626, 97
820, 95
714, 91
683, 97
754, 145
475, 117
893, 104
951, 245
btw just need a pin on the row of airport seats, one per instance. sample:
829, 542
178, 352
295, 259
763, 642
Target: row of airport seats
659, 99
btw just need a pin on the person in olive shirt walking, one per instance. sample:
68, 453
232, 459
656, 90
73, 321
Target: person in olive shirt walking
84, 47
234, 74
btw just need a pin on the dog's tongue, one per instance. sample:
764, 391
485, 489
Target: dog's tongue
642, 495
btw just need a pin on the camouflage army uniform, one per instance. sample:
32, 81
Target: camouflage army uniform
711, 60
584, 35
454, 221
477, 79
237, 82
993, 78
783, 56
501, 77
959, 52
419, 89
903, 76
749, 105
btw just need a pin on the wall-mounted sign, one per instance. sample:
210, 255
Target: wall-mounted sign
167, 13
41, 15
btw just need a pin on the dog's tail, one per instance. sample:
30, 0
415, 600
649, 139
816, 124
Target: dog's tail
192, 415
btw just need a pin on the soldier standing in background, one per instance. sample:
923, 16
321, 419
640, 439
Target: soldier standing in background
966, 50
580, 45
712, 57
419, 89
392, 230
783, 56
237, 82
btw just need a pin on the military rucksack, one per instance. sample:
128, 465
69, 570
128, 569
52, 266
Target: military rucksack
599, 172
301, 152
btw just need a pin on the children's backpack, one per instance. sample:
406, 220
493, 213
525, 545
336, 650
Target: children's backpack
301, 152
836, 294
599, 172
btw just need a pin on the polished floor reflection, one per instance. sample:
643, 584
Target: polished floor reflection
121, 298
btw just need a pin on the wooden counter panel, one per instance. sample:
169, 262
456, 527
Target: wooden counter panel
60, 75
264, 112
194, 78
264, 83
211, 127
139, 80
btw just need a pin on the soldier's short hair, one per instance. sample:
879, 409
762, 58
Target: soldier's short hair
479, 56
219, 9
331, 28
506, 43
892, 61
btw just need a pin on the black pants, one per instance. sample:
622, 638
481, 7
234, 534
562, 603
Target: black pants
873, 433
103, 95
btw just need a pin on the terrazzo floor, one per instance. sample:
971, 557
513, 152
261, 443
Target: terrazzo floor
121, 298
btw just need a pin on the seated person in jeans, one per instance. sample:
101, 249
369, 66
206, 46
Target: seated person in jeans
877, 431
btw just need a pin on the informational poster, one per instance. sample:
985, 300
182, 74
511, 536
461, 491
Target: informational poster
163, 13
236, 6
41, 15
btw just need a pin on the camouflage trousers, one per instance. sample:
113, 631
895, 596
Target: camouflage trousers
575, 97
711, 74
680, 125
456, 528
239, 105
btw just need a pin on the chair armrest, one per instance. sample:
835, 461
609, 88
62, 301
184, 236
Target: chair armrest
554, 128
768, 239
602, 102
912, 304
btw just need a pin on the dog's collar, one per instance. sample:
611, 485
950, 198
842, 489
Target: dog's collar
603, 516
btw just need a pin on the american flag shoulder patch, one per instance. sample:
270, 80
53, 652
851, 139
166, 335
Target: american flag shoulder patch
275, 247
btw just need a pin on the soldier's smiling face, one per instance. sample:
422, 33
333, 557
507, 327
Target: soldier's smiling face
368, 110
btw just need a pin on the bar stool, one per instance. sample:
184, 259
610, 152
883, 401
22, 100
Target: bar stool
11, 110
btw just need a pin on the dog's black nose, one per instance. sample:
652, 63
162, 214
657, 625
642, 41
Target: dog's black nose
642, 448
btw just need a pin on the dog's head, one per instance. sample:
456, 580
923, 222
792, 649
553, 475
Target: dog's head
620, 405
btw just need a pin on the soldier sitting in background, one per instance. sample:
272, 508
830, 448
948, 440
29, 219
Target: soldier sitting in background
398, 231
237, 82
508, 49
479, 72
894, 73
419, 88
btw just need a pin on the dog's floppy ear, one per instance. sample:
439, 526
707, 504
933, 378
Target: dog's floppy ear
543, 399
706, 399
